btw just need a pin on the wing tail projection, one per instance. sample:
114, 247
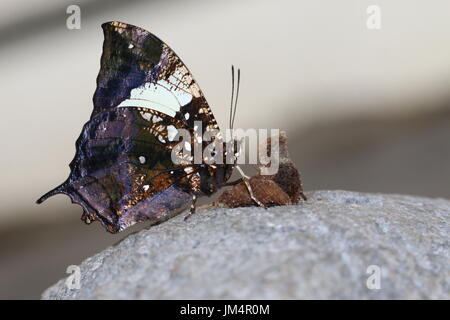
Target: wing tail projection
59, 189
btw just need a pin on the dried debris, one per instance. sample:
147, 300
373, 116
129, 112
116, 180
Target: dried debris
282, 188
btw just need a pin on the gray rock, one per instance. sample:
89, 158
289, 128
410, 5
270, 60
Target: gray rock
315, 250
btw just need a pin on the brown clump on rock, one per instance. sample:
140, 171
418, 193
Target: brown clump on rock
282, 188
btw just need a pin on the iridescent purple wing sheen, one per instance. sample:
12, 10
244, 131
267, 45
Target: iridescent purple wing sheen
122, 172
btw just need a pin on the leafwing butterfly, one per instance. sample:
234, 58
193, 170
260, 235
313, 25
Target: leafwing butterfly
122, 172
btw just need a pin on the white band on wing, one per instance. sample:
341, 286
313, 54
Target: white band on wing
162, 96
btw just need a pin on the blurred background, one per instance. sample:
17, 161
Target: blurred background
365, 110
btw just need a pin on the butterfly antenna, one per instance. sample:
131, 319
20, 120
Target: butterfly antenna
237, 96
232, 94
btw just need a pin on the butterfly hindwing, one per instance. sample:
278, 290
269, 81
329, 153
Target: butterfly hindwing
123, 173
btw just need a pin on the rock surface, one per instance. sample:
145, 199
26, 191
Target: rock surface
320, 249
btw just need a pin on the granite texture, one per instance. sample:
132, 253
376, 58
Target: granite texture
320, 249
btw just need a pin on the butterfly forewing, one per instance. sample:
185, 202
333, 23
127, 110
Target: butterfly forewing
138, 69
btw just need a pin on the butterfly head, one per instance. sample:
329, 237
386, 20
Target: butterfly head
217, 174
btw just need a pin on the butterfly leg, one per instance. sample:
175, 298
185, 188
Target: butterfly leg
246, 180
303, 196
249, 188
232, 183
192, 210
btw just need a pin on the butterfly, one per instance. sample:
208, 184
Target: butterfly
122, 172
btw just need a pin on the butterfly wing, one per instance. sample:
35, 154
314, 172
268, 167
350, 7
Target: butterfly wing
122, 172
138, 69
